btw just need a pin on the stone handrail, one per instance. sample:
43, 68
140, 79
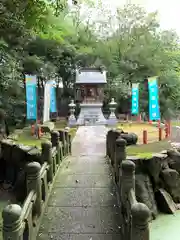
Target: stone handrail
22, 222
135, 216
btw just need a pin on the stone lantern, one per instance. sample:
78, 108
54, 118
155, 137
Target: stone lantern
112, 118
72, 119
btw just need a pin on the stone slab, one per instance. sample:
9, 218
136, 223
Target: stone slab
165, 201
79, 181
88, 167
79, 236
83, 204
68, 220
83, 197
89, 140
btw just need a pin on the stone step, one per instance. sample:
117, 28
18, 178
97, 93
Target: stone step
91, 118
82, 117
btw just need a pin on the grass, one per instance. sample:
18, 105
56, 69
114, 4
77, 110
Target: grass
147, 150
153, 146
138, 128
26, 138
175, 123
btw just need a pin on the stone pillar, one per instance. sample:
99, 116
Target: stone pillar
56, 143
68, 139
120, 155
127, 178
12, 224
107, 144
72, 120
127, 182
70, 144
140, 222
114, 135
63, 140
54, 138
47, 156
34, 183
66, 133
112, 121
110, 134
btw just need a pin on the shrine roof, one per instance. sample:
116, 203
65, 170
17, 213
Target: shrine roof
90, 75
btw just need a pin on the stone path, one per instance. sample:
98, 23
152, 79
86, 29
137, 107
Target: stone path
83, 204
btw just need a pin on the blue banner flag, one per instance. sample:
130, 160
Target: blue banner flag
135, 99
154, 113
31, 97
53, 108
53, 100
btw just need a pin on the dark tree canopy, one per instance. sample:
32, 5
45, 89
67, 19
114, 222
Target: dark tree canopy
50, 39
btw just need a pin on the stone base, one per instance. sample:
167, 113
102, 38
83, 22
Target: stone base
91, 114
72, 121
112, 121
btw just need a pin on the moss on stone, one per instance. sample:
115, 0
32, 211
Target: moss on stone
27, 139
147, 150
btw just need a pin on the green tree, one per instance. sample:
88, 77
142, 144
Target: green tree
137, 50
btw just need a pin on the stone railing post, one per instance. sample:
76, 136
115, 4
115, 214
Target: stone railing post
120, 155
54, 138
110, 133
113, 145
62, 139
69, 142
127, 182
56, 143
47, 156
107, 144
140, 222
66, 133
114, 135
12, 225
34, 183
127, 179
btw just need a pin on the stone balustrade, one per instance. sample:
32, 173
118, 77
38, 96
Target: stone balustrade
65, 140
22, 221
135, 216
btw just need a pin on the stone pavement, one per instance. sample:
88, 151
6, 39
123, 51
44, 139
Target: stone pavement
83, 203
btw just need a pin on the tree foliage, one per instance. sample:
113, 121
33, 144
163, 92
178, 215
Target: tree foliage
137, 50
50, 39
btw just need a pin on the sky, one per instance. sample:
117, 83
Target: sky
169, 10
